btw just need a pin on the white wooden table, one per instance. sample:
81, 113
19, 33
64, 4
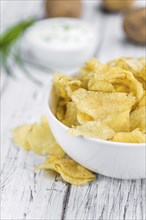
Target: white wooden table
40, 195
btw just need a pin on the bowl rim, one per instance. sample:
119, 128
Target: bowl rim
122, 144
36, 25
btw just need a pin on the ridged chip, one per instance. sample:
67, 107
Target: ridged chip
136, 136
38, 138
93, 129
69, 170
138, 119
99, 105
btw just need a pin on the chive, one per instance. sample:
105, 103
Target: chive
8, 40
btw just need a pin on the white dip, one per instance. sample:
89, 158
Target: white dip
63, 33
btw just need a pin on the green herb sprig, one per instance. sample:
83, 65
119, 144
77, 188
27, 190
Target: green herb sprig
8, 40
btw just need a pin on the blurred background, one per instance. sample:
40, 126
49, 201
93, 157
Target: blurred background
15, 10
119, 24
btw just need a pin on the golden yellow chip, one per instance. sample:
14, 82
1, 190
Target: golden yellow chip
134, 65
138, 119
65, 84
142, 76
92, 69
70, 118
93, 65
83, 117
142, 102
142, 73
99, 105
19, 135
136, 136
124, 81
93, 129
37, 137
110, 93
42, 141
100, 85
60, 81
60, 110
119, 121
69, 170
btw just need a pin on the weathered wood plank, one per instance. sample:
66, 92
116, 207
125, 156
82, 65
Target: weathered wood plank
25, 194
108, 198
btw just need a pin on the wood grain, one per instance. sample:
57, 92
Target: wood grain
107, 198
44, 195
34, 193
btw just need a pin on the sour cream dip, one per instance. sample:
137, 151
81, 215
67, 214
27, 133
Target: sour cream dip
62, 43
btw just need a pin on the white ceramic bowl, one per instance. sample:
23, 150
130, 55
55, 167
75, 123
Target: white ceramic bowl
61, 57
118, 160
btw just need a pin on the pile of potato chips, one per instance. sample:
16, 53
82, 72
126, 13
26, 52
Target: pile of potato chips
105, 101
39, 139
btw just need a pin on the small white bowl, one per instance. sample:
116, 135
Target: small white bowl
117, 160
66, 54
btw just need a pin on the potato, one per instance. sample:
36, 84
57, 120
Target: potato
117, 5
135, 25
63, 8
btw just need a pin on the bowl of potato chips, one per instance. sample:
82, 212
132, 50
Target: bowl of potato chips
98, 116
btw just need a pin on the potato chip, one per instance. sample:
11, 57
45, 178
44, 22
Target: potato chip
60, 110
42, 141
100, 85
119, 121
19, 135
83, 117
124, 81
133, 65
142, 102
138, 119
65, 84
93, 129
107, 93
72, 86
93, 65
70, 118
135, 136
99, 105
69, 170
142, 73
92, 69
37, 137
60, 81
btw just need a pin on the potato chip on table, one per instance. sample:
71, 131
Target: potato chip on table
38, 138
19, 135
69, 170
